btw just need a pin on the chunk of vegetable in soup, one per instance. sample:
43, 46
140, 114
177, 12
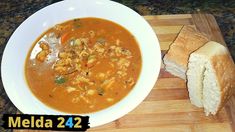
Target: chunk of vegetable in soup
83, 65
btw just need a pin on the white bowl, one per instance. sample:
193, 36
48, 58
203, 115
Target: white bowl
19, 44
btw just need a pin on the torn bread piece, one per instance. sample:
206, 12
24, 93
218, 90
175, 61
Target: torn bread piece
195, 75
211, 77
176, 59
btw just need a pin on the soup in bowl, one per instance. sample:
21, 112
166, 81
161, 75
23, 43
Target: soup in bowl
83, 65
94, 57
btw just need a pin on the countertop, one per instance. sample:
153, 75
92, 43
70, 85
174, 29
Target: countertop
13, 13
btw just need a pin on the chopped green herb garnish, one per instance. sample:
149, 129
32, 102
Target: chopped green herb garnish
76, 19
101, 40
60, 80
100, 91
77, 23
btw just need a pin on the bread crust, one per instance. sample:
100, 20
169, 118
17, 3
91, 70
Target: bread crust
224, 68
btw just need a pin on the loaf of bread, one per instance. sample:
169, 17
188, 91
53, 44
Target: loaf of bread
176, 59
211, 77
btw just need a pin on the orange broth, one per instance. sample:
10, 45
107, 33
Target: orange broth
83, 65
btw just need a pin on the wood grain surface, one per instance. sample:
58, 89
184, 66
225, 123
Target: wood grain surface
167, 108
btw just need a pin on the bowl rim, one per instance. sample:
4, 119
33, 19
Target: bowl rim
94, 122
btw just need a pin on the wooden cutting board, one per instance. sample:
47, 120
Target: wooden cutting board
167, 107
